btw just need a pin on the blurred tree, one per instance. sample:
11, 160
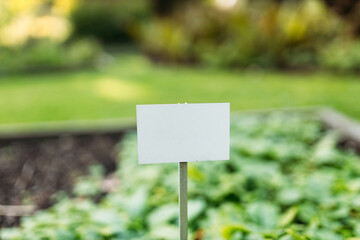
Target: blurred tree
111, 21
167, 7
234, 33
34, 35
349, 9
22, 22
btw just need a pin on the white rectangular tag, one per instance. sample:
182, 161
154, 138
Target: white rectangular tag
183, 132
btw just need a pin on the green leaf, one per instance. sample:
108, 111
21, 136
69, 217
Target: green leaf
163, 215
264, 214
296, 235
288, 216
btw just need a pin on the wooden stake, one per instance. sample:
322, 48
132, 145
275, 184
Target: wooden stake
183, 221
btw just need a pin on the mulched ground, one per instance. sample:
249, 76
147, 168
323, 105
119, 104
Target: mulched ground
35, 169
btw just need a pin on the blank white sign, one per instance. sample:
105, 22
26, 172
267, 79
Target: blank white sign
183, 132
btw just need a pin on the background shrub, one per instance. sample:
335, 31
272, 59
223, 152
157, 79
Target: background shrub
253, 33
343, 56
45, 55
109, 21
35, 36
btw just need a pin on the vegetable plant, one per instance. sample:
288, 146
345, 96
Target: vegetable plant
287, 179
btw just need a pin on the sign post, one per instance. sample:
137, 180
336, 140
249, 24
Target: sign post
183, 229
182, 133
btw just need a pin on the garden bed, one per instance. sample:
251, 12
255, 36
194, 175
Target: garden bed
37, 162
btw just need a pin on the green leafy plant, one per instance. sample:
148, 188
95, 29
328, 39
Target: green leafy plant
36, 37
111, 21
46, 55
275, 34
343, 56
286, 180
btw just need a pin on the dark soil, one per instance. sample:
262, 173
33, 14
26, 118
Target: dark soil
36, 168
350, 144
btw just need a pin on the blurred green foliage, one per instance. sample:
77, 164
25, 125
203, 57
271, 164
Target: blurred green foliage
45, 55
342, 56
281, 34
349, 10
286, 180
35, 36
109, 21
293, 34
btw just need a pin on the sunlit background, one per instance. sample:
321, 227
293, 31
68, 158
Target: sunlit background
72, 72
71, 59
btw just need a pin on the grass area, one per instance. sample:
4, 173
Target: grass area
113, 91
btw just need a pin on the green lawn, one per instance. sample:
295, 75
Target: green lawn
114, 90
